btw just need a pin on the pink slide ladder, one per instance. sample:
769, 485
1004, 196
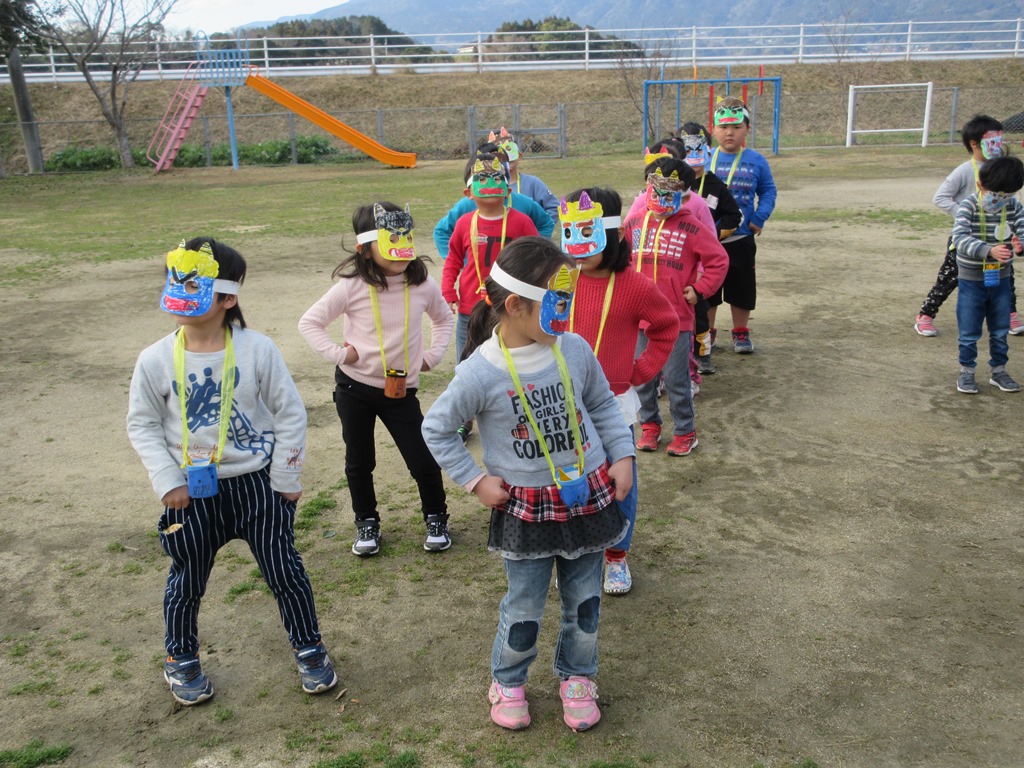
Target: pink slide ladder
180, 115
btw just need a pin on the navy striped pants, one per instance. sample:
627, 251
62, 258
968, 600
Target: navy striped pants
246, 508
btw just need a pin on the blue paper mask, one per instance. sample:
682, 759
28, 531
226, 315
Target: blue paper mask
190, 276
583, 232
698, 153
192, 281
555, 300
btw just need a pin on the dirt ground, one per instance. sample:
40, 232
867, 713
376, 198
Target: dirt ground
833, 578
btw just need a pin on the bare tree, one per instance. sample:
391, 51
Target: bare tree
110, 41
634, 67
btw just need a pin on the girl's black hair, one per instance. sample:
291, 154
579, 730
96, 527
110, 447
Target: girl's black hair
230, 266
667, 166
531, 259
616, 252
671, 144
361, 265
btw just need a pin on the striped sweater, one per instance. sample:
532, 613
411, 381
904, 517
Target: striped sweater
973, 246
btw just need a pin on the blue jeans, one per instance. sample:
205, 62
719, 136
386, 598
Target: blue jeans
976, 304
677, 384
461, 332
628, 506
579, 586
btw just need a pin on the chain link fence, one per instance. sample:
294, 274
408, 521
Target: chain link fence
807, 120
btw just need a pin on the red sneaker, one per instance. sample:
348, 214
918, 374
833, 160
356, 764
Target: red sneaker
682, 445
650, 436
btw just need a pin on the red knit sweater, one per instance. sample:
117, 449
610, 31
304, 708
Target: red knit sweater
683, 244
636, 300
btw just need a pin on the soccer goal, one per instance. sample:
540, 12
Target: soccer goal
882, 105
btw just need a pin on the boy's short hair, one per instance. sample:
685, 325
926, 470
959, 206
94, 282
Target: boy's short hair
1002, 174
977, 127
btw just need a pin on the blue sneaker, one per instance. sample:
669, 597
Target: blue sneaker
315, 668
186, 680
741, 341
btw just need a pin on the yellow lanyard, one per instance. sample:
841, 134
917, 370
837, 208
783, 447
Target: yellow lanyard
570, 405
473, 244
380, 332
604, 312
735, 164
227, 393
654, 250
700, 189
984, 229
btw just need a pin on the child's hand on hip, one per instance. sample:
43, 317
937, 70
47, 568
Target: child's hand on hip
690, 294
621, 473
491, 492
177, 498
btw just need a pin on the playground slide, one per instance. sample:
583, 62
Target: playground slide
330, 124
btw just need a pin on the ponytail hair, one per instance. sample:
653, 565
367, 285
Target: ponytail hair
616, 252
230, 266
533, 260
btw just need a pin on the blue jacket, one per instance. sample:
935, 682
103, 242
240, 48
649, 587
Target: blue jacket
752, 185
443, 231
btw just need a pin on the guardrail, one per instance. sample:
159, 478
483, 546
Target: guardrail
579, 49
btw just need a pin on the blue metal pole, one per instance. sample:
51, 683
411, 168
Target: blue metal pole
728, 78
231, 128
646, 82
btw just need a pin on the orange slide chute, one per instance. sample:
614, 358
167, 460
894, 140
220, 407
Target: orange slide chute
332, 125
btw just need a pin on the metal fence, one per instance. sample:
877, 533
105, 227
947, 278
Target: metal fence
578, 49
808, 120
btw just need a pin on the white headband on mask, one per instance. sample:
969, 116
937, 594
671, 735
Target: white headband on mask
517, 286
226, 286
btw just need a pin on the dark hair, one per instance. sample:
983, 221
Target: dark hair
530, 259
230, 266
694, 129
977, 127
672, 144
616, 253
1002, 174
492, 148
485, 158
667, 166
360, 264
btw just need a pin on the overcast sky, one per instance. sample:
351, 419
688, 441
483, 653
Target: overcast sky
224, 15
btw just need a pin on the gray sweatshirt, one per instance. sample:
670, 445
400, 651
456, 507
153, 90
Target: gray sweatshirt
268, 419
957, 186
974, 245
482, 389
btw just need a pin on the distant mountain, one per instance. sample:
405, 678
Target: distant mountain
416, 16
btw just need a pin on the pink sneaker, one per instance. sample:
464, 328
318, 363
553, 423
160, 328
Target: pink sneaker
579, 703
925, 325
1016, 325
509, 708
